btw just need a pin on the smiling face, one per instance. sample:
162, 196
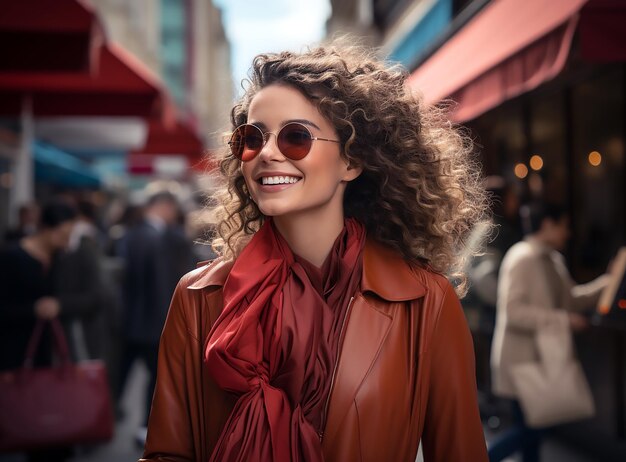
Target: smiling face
287, 188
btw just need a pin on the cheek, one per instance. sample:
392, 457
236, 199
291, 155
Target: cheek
246, 170
326, 170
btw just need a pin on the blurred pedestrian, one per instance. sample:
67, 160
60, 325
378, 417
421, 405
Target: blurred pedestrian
179, 247
535, 289
155, 258
327, 330
29, 269
81, 282
480, 302
124, 217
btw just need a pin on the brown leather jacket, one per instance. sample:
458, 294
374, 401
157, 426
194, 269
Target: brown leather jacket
405, 372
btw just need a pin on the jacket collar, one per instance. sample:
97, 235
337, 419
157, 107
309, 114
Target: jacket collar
385, 273
214, 273
388, 275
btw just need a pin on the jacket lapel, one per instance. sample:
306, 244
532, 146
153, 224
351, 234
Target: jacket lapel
356, 358
387, 275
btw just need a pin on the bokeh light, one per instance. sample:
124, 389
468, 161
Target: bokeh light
536, 162
595, 158
521, 171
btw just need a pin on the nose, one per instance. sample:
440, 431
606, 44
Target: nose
270, 149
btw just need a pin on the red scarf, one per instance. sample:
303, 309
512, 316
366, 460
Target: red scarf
275, 345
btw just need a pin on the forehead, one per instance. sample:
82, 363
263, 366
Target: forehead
279, 102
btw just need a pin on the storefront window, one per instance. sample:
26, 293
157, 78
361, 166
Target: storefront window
598, 145
501, 142
547, 160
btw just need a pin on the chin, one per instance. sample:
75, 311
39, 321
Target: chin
276, 213
271, 211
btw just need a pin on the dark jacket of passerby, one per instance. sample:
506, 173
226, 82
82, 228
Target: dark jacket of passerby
80, 287
71, 278
180, 254
150, 251
24, 281
27, 285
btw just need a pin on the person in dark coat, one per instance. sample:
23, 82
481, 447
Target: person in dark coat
81, 281
156, 255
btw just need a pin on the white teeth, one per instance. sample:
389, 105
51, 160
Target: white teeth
279, 179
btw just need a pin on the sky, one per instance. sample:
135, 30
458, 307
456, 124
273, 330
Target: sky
257, 26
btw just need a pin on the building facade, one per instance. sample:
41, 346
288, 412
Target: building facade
100, 81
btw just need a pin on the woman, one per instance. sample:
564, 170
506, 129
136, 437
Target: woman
29, 290
28, 287
326, 331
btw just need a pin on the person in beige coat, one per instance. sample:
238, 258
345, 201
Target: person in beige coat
534, 289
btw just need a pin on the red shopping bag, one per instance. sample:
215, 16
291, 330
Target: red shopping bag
61, 405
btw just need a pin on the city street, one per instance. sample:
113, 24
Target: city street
123, 447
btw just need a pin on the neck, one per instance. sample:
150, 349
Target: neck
311, 235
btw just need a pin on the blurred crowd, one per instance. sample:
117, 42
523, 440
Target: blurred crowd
107, 271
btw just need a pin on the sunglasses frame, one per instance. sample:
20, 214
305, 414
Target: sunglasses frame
265, 135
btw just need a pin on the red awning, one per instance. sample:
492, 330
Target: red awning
48, 35
120, 86
178, 139
511, 47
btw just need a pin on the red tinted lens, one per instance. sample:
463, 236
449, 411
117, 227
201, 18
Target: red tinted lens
294, 141
246, 142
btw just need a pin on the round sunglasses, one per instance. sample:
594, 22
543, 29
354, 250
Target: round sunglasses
294, 141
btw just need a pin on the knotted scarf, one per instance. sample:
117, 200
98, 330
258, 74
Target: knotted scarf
276, 342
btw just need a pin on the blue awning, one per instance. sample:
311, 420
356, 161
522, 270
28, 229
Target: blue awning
423, 34
57, 167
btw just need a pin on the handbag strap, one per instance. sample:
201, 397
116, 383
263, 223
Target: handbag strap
59, 340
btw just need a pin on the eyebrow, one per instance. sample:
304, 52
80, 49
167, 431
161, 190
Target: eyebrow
262, 126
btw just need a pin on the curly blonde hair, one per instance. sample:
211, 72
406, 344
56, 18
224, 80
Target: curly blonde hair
420, 192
